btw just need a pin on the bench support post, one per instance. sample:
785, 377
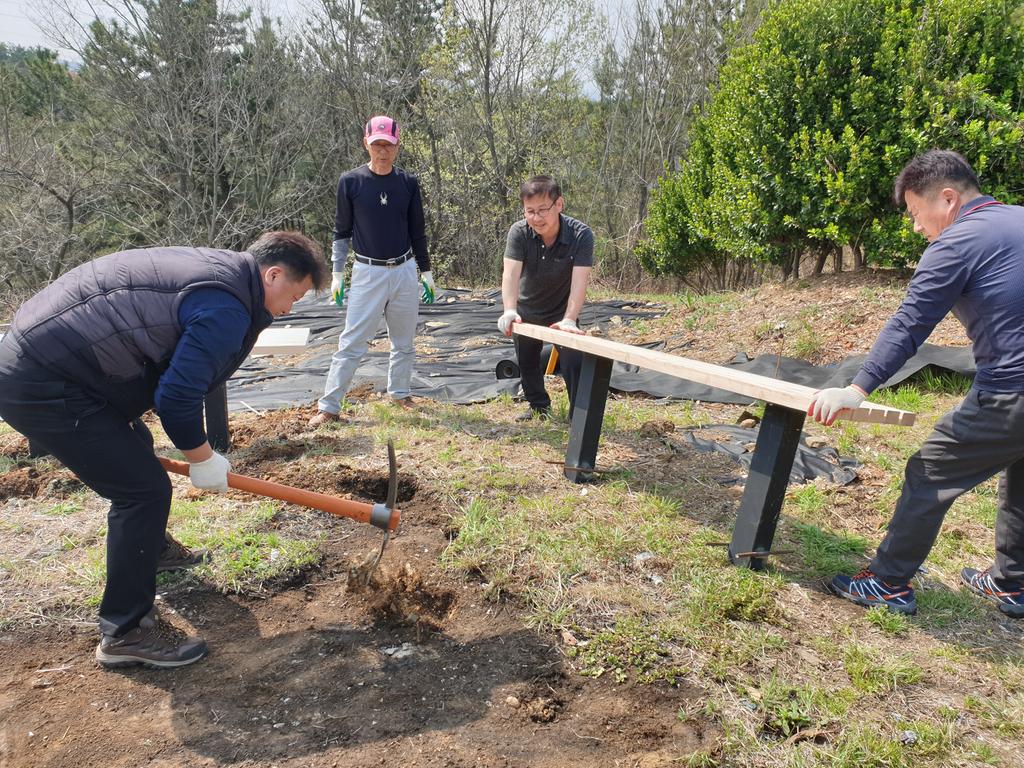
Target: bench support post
774, 452
586, 417
217, 419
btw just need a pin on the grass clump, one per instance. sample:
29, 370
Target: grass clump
244, 554
873, 671
631, 648
889, 622
825, 553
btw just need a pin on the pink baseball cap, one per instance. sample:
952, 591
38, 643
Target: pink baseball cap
380, 128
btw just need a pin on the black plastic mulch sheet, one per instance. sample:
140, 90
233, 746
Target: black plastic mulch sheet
809, 463
461, 330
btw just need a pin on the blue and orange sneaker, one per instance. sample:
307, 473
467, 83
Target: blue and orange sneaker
867, 589
1008, 597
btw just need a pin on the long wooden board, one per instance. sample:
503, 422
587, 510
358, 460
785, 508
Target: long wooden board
784, 393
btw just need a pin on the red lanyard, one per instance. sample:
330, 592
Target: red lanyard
975, 208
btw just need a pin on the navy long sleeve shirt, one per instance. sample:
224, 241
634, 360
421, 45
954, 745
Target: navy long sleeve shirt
382, 214
976, 269
215, 324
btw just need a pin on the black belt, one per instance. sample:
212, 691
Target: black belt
384, 262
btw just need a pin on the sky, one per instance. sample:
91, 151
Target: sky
23, 22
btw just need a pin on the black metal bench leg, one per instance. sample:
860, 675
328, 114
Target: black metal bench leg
765, 491
217, 430
586, 417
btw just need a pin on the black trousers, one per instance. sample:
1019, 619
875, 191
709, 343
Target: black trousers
980, 438
112, 456
528, 352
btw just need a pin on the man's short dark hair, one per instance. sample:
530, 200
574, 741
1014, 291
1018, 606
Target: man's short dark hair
298, 254
540, 185
933, 170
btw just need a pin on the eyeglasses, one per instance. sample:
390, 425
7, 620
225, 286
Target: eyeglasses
539, 213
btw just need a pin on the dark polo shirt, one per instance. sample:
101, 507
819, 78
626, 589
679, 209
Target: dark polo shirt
547, 271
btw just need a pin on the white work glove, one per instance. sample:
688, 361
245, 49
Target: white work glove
829, 403
565, 324
338, 288
508, 317
429, 289
210, 475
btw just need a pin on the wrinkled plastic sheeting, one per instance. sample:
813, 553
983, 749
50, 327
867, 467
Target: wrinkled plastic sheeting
461, 328
809, 463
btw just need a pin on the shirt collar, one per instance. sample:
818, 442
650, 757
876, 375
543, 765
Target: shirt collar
967, 207
564, 235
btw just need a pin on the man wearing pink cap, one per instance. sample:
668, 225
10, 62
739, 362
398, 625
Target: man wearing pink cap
379, 219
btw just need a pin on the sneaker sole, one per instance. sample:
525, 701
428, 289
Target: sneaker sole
119, 662
908, 610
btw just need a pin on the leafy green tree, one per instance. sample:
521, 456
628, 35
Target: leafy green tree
796, 151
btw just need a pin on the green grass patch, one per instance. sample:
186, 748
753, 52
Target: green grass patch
942, 382
244, 554
1003, 714
809, 499
731, 594
889, 622
942, 608
62, 509
825, 553
630, 649
875, 671
788, 709
906, 397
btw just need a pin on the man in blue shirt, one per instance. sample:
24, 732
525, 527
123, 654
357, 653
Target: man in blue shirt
379, 217
88, 355
974, 267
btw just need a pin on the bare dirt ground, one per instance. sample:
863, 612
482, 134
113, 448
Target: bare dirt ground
414, 670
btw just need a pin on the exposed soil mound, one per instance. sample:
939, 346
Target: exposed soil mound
405, 599
342, 480
21, 483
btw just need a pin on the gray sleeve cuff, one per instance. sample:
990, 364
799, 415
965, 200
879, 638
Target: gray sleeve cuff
339, 254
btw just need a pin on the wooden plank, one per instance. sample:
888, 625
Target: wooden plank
784, 393
281, 341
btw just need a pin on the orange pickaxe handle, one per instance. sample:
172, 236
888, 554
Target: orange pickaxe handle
375, 514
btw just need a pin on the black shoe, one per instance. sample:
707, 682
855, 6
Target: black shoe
154, 643
1009, 598
534, 413
177, 557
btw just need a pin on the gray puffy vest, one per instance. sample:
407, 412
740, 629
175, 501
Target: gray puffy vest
112, 324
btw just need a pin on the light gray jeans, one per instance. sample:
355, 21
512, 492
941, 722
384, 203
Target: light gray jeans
980, 438
389, 292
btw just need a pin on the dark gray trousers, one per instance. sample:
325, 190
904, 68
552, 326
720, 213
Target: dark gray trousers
983, 436
110, 455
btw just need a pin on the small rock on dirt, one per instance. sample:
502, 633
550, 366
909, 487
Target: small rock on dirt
816, 441
512, 701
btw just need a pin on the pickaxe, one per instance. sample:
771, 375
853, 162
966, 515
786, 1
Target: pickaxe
383, 516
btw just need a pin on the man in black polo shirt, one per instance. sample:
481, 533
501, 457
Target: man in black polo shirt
548, 258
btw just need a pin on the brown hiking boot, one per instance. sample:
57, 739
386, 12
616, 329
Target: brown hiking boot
154, 643
177, 557
322, 418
